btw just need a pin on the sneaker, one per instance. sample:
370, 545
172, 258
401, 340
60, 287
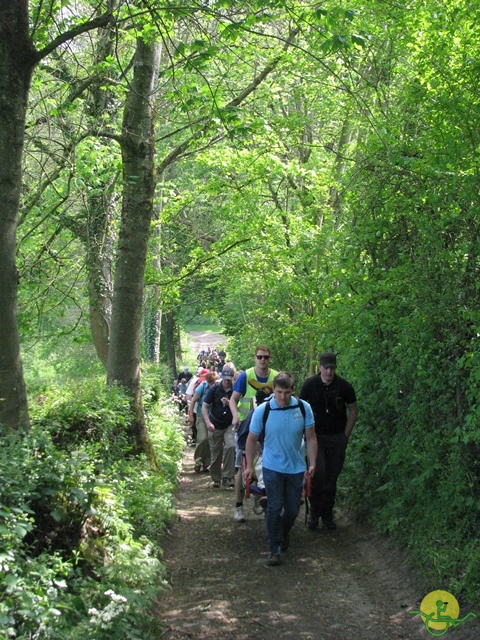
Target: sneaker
286, 543
329, 524
257, 507
273, 560
228, 483
238, 514
263, 502
216, 485
198, 466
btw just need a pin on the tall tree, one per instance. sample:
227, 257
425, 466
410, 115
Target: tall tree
138, 210
17, 61
18, 58
138, 153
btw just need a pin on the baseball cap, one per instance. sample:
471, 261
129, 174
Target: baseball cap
227, 373
328, 359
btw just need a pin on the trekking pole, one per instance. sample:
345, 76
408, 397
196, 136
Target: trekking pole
245, 480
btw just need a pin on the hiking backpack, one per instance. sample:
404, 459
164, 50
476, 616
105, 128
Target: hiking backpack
224, 419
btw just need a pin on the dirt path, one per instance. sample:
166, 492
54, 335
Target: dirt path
202, 339
349, 583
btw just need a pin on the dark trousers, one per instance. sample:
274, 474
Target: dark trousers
284, 491
330, 459
194, 427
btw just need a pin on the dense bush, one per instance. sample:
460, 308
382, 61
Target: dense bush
80, 519
413, 465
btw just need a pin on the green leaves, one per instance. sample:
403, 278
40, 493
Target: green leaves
197, 53
47, 548
334, 44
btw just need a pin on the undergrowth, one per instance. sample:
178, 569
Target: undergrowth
81, 518
424, 492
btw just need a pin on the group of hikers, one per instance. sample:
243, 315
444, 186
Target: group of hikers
251, 431
213, 359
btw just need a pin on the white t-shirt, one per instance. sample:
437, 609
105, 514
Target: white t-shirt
189, 391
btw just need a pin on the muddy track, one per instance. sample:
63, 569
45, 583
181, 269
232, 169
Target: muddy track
350, 583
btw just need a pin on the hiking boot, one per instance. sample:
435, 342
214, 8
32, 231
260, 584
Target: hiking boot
198, 466
216, 485
286, 543
273, 560
257, 507
329, 524
238, 514
228, 483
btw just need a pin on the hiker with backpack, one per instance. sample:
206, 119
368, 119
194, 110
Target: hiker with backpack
218, 419
249, 382
201, 454
283, 463
192, 385
250, 389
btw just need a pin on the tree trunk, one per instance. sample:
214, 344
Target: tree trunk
170, 342
17, 61
156, 290
158, 336
100, 228
153, 301
100, 249
137, 210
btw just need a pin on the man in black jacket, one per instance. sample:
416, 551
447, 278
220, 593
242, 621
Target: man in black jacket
335, 409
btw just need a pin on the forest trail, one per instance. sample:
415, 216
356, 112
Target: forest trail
332, 585
202, 339
349, 583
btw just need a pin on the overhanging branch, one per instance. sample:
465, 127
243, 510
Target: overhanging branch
197, 265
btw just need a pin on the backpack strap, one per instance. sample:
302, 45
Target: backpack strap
265, 413
302, 408
217, 390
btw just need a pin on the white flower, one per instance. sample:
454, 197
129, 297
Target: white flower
116, 597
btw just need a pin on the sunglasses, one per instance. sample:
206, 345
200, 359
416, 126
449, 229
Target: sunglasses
263, 357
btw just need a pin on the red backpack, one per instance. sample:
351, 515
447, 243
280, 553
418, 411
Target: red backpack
201, 378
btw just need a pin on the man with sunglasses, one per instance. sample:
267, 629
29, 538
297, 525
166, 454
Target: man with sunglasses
249, 386
335, 409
